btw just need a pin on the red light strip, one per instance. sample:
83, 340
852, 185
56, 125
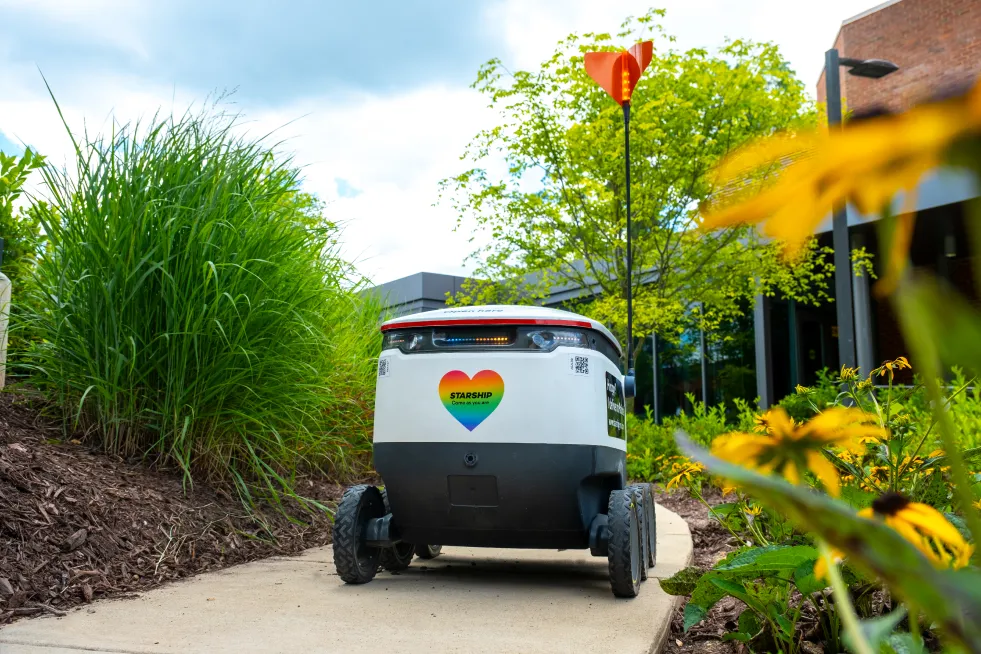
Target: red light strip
464, 322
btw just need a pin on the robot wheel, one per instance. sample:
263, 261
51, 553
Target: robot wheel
355, 560
625, 550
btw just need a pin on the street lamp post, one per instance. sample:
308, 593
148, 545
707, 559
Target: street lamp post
871, 68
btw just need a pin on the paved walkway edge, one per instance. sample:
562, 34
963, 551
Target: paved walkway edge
661, 637
466, 601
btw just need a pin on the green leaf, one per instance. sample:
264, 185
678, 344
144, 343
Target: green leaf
953, 324
872, 547
856, 497
703, 598
905, 644
805, 580
749, 627
785, 625
750, 624
727, 508
770, 560
682, 582
877, 630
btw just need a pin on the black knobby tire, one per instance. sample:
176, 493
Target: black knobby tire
397, 557
641, 501
355, 561
428, 551
651, 511
625, 545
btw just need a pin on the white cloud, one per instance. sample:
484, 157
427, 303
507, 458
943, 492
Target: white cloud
394, 149
803, 30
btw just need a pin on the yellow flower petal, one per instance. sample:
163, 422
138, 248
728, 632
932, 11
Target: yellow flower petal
931, 522
825, 471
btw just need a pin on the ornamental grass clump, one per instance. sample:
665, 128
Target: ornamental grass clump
193, 309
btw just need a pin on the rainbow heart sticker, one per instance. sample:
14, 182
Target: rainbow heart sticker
471, 400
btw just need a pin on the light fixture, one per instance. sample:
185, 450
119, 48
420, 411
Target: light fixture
872, 68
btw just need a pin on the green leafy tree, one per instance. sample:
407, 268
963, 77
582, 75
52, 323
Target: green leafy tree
556, 215
21, 230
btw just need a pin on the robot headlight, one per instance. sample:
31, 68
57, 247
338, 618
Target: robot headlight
403, 340
547, 340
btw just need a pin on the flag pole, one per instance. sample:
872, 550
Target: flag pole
617, 73
630, 287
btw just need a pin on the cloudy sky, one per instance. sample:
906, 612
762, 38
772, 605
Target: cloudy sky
372, 97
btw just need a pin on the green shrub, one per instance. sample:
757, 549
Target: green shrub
809, 401
193, 309
23, 242
650, 446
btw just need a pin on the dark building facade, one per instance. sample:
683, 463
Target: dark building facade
780, 343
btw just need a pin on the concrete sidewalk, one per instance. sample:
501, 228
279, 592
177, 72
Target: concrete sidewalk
466, 600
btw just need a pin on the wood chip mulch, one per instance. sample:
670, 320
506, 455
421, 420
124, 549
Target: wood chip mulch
711, 543
76, 524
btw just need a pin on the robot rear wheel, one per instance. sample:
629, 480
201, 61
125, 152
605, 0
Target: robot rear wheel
644, 501
428, 551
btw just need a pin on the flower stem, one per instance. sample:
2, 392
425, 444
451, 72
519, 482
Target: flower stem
698, 496
914, 622
843, 603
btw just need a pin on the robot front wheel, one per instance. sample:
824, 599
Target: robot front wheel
355, 558
357, 561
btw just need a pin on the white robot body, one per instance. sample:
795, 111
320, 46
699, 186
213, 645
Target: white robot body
499, 426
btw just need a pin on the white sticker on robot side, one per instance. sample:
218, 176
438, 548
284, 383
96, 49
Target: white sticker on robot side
578, 365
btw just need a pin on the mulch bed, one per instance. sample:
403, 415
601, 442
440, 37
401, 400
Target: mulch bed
76, 524
711, 543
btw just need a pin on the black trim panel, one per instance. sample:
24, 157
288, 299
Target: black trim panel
517, 495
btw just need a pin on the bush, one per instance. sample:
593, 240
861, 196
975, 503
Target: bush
193, 309
651, 447
807, 402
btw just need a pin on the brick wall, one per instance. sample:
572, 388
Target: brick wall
935, 43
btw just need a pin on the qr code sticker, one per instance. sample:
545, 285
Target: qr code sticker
383, 367
579, 365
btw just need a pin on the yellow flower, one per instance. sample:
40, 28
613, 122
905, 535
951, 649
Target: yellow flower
888, 368
728, 490
821, 566
753, 510
923, 526
865, 163
864, 385
977, 504
935, 453
802, 390
685, 474
789, 450
848, 374
880, 473
920, 524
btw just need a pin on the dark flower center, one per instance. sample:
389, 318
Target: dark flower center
890, 504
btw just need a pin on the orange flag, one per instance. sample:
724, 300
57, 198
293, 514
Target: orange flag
618, 72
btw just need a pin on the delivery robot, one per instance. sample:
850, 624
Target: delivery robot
498, 426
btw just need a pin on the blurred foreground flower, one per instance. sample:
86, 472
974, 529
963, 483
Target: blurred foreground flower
865, 163
920, 524
789, 450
